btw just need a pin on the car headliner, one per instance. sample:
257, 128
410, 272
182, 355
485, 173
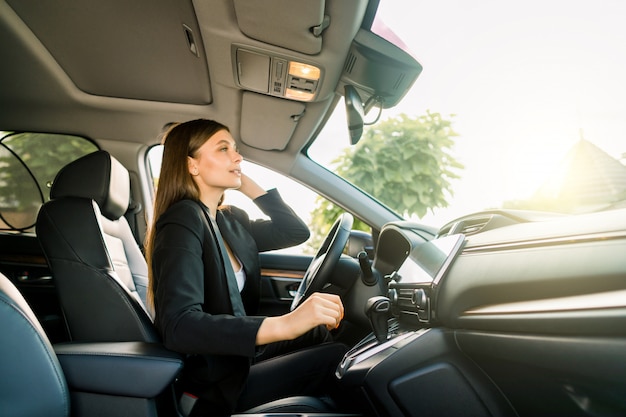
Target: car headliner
121, 70
118, 72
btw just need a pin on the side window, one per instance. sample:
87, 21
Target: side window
300, 198
28, 164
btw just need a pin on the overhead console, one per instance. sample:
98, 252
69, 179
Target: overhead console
275, 74
292, 44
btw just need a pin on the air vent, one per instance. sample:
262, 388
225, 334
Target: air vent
469, 226
474, 225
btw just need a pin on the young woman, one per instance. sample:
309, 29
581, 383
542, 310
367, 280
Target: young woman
205, 277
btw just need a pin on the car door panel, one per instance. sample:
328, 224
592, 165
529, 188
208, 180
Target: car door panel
281, 274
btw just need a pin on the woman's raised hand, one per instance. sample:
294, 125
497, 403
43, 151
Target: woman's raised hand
250, 188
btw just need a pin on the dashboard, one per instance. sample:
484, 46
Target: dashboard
510, 270
509, 313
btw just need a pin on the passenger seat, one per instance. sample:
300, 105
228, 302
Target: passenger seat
99, 271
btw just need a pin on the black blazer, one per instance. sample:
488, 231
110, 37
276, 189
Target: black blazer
194, 313
193, 309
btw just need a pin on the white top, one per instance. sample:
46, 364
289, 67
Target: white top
240, 276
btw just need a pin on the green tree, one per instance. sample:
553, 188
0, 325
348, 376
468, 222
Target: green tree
28, 164
404, 162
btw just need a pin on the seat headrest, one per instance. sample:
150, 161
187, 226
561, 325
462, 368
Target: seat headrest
97, 176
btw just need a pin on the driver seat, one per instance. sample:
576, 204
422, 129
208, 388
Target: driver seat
99, 271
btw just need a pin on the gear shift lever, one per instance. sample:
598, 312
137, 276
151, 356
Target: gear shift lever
377, 310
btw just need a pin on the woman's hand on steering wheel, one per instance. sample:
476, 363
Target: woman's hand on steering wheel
318, 309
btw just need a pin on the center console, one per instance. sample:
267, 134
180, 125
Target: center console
370, 351
409, 366
410, 306
413, 287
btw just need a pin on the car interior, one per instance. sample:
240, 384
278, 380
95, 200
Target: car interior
497, 313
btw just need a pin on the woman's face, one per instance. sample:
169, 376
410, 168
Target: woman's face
216, 165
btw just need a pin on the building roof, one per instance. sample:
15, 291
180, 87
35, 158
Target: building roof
586, 179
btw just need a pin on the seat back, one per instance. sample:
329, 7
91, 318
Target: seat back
31, 383
99, 271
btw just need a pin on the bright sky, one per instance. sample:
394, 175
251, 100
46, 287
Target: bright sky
522, 78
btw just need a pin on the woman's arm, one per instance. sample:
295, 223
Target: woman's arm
284, 229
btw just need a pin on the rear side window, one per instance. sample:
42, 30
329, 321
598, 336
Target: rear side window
28, 164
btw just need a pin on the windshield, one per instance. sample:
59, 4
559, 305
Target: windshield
519, 106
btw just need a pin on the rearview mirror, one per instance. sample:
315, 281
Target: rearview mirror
354, 112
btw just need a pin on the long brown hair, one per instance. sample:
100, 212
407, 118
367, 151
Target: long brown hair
175, 183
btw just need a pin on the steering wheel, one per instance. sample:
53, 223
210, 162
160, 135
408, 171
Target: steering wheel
319, 271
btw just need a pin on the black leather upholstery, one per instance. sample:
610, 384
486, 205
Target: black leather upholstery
104, 379
100, 273
31, 382
298, 404
99, 177
128, 369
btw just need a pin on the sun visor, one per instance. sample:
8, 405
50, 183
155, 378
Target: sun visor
276, 22
267, 123
127, 62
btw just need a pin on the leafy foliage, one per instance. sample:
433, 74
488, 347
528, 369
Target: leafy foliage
405, 162
28, 164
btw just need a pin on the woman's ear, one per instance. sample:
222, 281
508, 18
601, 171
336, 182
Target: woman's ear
192, 166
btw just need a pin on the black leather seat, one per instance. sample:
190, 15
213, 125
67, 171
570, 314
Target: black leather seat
100, 273
79, 379
29, 366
